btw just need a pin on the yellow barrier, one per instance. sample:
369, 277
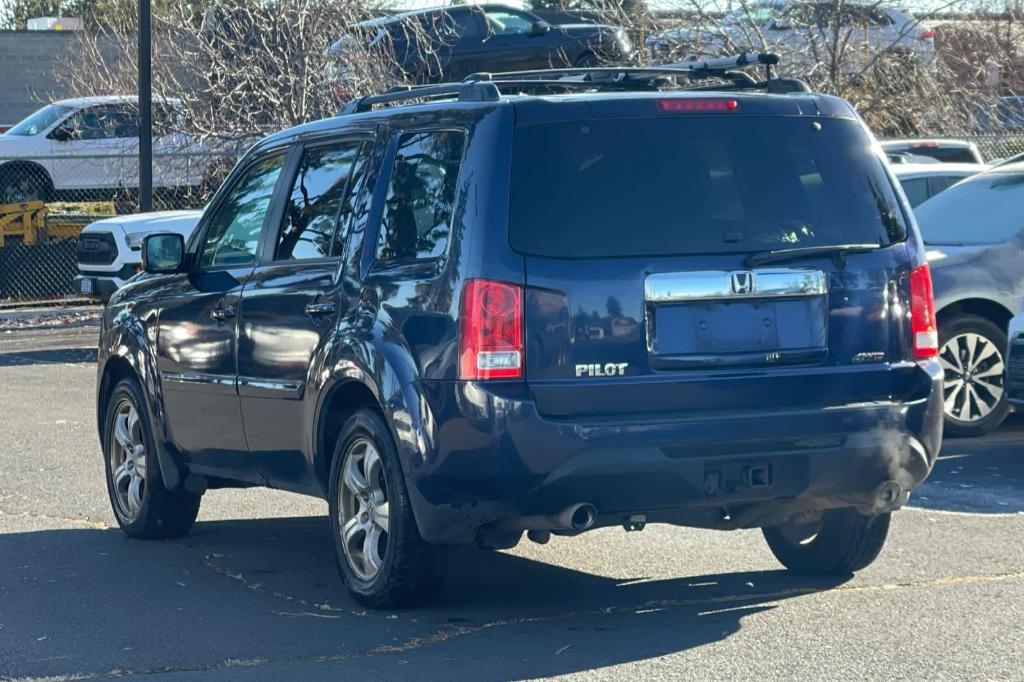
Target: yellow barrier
23, 220
29, 221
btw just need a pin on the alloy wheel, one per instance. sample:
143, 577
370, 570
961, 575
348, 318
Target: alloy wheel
973, 386
127, 462
363, 511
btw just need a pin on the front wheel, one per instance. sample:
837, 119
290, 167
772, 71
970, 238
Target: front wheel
971, 350
380, 554
143, 507
840, 542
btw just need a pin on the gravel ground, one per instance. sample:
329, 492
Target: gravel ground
252, 592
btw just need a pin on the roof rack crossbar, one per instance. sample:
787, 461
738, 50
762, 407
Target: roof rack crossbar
691, 70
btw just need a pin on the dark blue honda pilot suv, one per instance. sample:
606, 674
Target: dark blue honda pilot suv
539, 302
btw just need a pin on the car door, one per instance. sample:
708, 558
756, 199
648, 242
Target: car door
90, 149
293, 300
197, 330
469, 49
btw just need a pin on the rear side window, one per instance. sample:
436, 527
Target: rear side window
421, 196
916, 190
325, 178
690, 184
986, 209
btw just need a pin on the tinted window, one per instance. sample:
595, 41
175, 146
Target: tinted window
685, 184
983, 210
313, 208
916, 190
505, 23
234, 229
421, 196
104, 122
39, 121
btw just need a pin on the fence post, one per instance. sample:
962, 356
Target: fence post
145, 109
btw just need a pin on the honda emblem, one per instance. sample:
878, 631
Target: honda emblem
741, 282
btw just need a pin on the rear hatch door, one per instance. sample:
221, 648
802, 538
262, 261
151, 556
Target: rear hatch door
648, 287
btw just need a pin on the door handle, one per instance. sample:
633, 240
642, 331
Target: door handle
320, 309
222, 313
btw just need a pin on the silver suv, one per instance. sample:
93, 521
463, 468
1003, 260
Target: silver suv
804, 33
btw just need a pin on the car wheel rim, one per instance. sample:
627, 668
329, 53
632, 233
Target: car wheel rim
973, 386
128, 462
800, 534
363, 513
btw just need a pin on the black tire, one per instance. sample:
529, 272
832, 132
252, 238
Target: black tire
19, 183
957, 328
845, 541
587, 60
408, 571
162, 513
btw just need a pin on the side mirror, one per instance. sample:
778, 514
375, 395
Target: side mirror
162, 252
539, 28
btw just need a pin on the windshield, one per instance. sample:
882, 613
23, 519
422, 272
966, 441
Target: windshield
697, 185
754, 15
985, 209
39, 121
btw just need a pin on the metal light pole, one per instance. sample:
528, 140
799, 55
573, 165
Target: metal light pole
145, 109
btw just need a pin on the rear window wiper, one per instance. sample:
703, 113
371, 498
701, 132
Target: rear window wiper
837, 251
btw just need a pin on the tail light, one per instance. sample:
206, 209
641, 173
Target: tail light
927, 35
491, 331
922, 313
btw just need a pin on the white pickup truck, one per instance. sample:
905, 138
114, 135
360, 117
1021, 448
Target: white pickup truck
110, 250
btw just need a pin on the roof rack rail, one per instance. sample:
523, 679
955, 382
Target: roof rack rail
465, 92
487, 87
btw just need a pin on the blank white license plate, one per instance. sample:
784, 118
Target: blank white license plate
87, 287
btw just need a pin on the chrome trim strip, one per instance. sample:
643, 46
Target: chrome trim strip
704, 285
253, 387
196, 378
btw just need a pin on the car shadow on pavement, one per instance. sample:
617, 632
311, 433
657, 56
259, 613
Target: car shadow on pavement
50, 356
265, 594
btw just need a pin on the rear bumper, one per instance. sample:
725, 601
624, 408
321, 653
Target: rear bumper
495, 459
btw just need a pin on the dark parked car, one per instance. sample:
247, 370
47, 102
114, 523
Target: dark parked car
497, 313
453, 42
973, 235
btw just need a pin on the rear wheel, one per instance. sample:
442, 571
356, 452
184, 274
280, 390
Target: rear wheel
143, 507
840, 542
21, 184
380, 554
971, 350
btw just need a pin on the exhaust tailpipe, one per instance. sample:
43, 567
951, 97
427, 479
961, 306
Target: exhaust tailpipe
583, 516
889, 496
578, 517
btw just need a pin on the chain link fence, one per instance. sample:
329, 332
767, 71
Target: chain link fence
46, 200
998, 147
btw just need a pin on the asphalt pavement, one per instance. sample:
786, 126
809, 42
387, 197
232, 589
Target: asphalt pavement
253, 592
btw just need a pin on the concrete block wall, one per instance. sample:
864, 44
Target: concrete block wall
28, 64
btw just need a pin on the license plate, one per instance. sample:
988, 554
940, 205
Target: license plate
87, 288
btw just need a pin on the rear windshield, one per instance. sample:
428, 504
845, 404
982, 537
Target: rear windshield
947, 154
690, 184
